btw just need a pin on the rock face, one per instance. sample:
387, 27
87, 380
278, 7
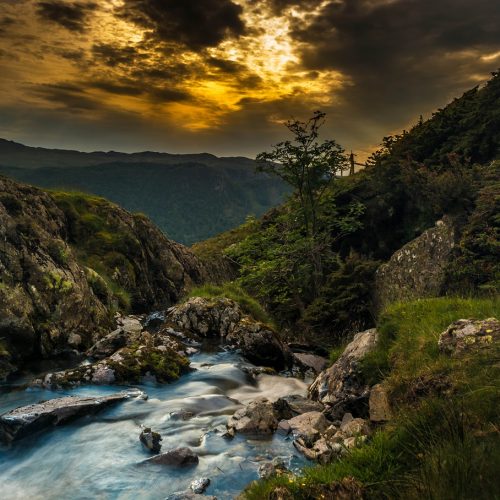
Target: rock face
180, 457
467, 335
260, 345
49, 300
417, 270
340, 386
224, 318
27, 420
311, 362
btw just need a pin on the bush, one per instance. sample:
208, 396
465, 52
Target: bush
344, 303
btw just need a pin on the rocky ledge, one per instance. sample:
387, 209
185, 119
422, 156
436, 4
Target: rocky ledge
27, 420
223, 318
128, 355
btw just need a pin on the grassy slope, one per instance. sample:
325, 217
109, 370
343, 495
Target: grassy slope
444, 441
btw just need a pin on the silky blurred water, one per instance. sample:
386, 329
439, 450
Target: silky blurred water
100, 456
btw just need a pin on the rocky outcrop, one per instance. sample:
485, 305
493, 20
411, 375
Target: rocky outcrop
224, 318
260, 345
206, 317
466, 335
340, 386
153, 358
418, 269
66, 260
27, 420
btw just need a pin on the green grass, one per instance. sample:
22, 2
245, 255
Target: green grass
234, 292
444, 440
214, 248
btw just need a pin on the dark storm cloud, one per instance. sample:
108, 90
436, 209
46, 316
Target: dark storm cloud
225, 65
71, 97
72, 16
279, 6
5, 23
168, 94
113, 55
193, 23
401, 55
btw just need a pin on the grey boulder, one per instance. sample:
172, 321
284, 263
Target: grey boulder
27, 420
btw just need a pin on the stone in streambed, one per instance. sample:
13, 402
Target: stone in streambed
308, 427
179, 457
295, 404
200, 485
189, 495
307, 361
27, 420
258, 417
151, 440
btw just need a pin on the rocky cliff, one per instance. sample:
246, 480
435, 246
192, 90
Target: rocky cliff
418, 269
68, 261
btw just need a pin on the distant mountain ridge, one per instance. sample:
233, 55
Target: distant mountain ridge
14, 154
190, 197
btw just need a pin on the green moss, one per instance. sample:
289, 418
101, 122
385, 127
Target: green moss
214, 248
166, 365
56, 282
102, 244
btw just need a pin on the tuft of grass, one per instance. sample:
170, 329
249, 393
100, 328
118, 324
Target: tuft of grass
443, 442
232, 291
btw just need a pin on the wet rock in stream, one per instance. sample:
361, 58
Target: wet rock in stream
151, 440
27, 420
200, 485
179, 457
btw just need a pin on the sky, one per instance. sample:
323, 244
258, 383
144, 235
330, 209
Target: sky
222, 76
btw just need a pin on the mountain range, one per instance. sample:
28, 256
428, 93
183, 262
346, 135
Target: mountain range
191, 197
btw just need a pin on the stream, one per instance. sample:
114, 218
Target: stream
101, 457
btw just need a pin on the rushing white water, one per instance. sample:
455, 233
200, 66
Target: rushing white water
100, 456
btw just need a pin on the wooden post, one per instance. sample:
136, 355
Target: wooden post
351, 160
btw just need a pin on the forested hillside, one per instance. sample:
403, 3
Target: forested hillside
447, 165
190, 197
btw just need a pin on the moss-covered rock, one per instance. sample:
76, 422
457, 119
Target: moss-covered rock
68, 261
